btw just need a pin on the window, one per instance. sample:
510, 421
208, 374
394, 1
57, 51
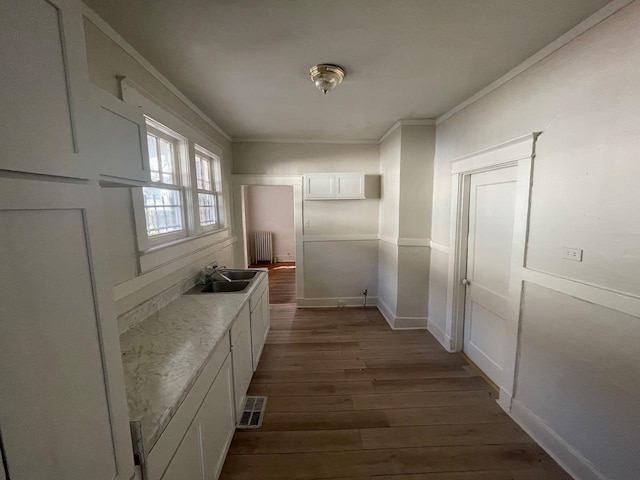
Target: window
207, 186
163, 203
184, 199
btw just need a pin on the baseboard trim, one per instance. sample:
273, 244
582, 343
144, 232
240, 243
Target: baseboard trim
439, 335
333, 302
285, 258
401, 323
567, 457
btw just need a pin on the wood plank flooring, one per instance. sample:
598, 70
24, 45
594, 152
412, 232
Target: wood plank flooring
351, 399
282, 281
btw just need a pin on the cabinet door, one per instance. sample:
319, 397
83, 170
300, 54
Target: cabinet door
350, 185
187, 464
63, 410
242, 370
319, 185
118, 139
266, 322
217, 422
44, 80
257, 334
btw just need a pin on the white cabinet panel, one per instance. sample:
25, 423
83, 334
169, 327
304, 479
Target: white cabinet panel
319, 185
257, 335
334, 186
63, 400
349, 185
266, 319
44, 83
242, 359
217, 423
187, 461
118, 140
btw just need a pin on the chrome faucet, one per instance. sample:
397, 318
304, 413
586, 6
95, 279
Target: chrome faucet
211, 272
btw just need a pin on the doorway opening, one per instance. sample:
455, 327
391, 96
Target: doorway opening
268, 212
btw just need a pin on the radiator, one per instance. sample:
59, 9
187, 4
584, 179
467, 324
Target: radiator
263, 247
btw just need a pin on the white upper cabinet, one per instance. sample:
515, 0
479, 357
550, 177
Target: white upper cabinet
118, 139
63, 410
334, 186
44, 83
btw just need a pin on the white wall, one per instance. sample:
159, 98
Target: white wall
337, 267
578, 371
406, 165
270, 209
107, 60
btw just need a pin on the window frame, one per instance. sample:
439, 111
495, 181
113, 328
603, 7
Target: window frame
186, 151
215, 180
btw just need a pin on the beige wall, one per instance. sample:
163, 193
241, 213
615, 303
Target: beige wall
270, 209
107, 61
578, 369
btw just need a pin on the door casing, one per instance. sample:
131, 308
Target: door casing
519, 152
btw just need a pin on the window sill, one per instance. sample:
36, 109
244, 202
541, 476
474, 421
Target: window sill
160, 255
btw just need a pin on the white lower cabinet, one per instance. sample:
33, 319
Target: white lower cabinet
242, 358
187, 462
202, 450
259, 322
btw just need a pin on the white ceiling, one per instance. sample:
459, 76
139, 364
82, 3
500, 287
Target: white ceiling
245, 62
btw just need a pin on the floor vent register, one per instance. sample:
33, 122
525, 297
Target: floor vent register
253, 413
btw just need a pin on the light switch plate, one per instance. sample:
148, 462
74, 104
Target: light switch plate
574, 254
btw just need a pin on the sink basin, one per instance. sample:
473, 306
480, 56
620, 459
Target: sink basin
225, 287
239, 274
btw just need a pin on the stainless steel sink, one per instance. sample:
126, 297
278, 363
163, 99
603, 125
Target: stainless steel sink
239, 274
237, 286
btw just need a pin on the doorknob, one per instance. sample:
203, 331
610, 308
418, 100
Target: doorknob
465, 282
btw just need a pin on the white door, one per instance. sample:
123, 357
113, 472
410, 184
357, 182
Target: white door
491, 215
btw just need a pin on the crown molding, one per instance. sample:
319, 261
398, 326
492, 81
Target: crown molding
363, 141
108, 30
406, 122
587, 24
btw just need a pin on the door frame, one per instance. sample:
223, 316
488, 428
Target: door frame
519, 152
240, 183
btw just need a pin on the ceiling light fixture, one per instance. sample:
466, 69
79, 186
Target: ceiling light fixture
326, 76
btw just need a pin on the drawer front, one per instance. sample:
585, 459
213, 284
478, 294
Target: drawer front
240, 324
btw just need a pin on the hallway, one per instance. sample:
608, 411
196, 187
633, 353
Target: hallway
282, 281
349, 398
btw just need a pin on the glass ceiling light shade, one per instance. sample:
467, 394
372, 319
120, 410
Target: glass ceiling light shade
326, 77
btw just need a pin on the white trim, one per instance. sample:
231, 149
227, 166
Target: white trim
569, 458
518, 152
406, 122
340, 238
615, 300
413, 242
439, 247
240, 183
557, 44
259, 179
386, 312
401, 323
164, 254
512, 151
333, 302
439, 334
130, 287
105, 28
285, 258
335, 141
405, 241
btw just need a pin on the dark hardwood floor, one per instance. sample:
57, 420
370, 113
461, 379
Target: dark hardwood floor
282, 281
351, 399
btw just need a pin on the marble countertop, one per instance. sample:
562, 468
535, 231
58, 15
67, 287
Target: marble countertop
164, 354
